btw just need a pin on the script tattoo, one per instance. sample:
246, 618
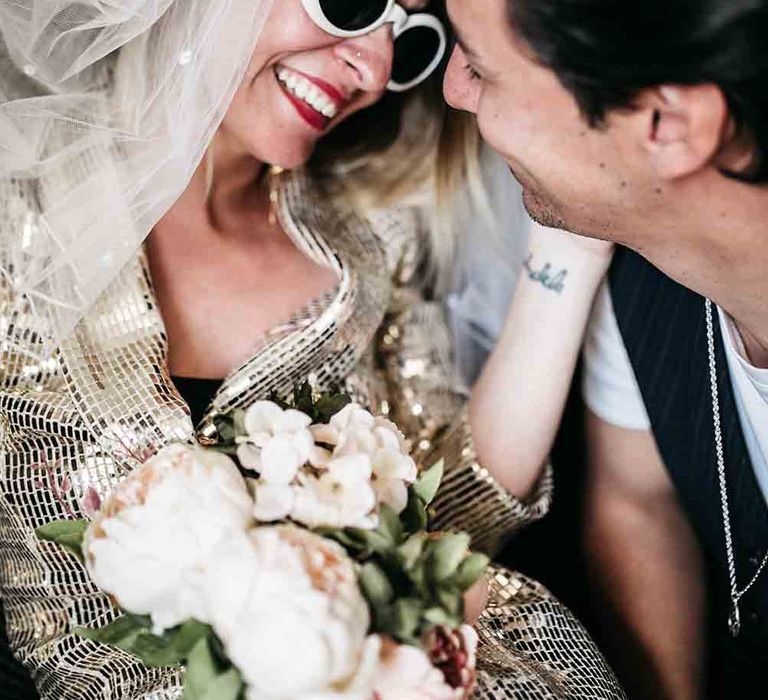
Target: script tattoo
546, 276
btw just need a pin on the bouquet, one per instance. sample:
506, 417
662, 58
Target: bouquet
290, 561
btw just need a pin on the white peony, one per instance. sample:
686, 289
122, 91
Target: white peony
289, 611
343, 496
335, 478
277, 443
353, 430
151, 542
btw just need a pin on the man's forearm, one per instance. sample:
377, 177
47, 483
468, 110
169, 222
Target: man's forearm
646, 569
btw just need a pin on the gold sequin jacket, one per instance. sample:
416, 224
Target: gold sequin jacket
80, 421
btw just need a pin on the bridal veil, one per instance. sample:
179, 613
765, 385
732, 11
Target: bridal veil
106, 109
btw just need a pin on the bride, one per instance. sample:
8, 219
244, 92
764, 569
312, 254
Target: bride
275, 180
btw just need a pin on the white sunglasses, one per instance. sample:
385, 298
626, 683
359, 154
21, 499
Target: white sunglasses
420, 41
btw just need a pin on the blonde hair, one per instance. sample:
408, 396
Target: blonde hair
433, 164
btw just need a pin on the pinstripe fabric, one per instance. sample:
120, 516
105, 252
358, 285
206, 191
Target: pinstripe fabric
664, 330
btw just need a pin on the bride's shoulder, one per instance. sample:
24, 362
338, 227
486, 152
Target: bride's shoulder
397, 228
400, 231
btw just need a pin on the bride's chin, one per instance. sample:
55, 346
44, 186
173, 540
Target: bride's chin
289, 158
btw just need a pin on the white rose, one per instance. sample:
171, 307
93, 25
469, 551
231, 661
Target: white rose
150, 543
273, 501
406, 673
277, 443
353, 430
353, 415
394, 472
288, 609
341, 497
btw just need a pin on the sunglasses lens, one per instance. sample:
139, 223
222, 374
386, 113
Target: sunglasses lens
415, 49
353, 15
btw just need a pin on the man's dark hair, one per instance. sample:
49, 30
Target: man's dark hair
605, 51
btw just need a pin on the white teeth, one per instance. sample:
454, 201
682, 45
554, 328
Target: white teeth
307, 92
302, 88
312, 95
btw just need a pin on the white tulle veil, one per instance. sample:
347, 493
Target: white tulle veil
107, 107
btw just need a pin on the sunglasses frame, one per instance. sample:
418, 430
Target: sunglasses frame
401, 22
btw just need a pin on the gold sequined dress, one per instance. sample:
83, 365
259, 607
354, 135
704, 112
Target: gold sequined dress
83, 419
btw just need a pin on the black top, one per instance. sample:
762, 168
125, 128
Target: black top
664, 329
198, 394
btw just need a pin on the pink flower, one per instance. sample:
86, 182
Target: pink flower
406, 673
454, 652
91, 502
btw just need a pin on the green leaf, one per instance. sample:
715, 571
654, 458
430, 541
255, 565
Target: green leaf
302, 398
225, 449
226, 686
154, 651
132, 633
450, 600
120, 633
185, 637
470, 570
361, 543
428, 483
343, 538
328, 405
418, 577
66, 533
375, 585
201, 670
410, 551
373, 540
390, 525
414, 517
238, 421
202, 680
225, 430
439, 616
407, 613
447, 553
275, 398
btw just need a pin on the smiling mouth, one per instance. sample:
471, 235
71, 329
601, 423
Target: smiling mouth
312, 102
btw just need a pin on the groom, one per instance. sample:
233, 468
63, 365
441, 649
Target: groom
646, 123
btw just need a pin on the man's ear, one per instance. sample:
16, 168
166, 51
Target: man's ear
685, 127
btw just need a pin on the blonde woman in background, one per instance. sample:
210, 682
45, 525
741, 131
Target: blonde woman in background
296, 249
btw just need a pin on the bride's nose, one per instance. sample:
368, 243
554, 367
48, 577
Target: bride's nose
369, 58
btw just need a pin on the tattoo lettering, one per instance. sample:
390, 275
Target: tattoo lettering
548, 278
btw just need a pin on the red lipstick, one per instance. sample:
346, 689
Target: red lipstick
307, 113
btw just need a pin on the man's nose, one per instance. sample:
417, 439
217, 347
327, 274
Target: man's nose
370, 58
458, 91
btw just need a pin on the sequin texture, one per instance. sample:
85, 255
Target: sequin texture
73, 425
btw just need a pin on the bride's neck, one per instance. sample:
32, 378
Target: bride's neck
227, 181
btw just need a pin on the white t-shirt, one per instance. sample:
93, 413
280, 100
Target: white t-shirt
611, 390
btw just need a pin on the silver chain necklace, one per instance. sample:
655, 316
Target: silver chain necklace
734, 619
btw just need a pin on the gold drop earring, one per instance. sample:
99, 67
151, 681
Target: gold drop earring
273, 180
